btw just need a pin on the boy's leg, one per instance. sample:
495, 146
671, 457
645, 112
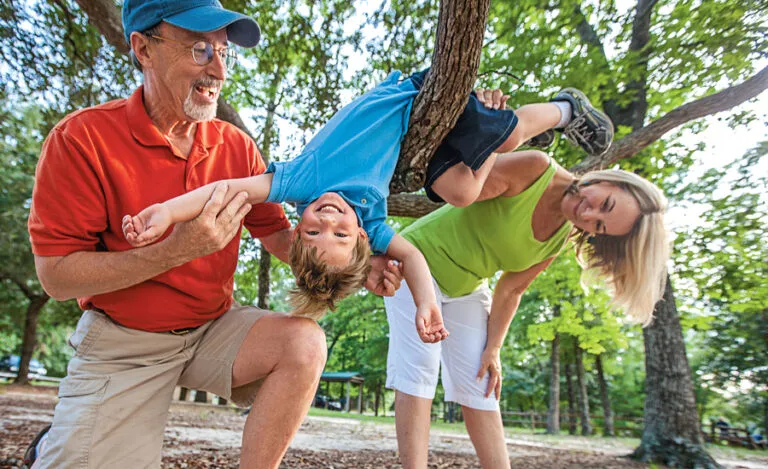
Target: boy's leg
272, 361
412, 370
114, 401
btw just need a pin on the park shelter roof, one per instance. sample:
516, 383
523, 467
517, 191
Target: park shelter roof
342, 376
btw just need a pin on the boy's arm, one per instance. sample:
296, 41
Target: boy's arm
153, 221
429, 321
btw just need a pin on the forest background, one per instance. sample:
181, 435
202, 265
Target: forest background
316, 56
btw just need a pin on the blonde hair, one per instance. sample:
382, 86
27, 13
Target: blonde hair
320, 286
633, 265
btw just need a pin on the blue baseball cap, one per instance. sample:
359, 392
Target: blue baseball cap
201, 16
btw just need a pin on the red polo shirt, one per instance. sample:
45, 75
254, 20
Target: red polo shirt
101, 163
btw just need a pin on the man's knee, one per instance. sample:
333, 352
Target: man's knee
307, 350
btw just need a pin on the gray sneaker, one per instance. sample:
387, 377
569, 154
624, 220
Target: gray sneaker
543, 140
589, 128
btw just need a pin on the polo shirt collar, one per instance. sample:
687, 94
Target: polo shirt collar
145, 132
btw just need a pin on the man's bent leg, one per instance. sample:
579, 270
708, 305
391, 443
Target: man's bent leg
289, 353
272, 361
114, 401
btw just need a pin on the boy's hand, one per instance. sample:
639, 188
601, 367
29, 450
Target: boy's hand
492, 99
429, 324
385, 276
490, 362
148, 226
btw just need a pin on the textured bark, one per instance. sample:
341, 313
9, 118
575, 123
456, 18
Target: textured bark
265, 265
605, 398
29, 341
571, 399
455, 61
410, 205
586, 426
671, 434
553, 412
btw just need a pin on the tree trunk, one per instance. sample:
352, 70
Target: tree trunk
553, 412
456, 58
586, 426
605, 397
671, 434
29, 342
571, 399
377, 400
265, 264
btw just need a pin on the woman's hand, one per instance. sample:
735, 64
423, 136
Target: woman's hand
490, 362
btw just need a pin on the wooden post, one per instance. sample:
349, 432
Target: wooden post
346, 401
360, 399
533, 421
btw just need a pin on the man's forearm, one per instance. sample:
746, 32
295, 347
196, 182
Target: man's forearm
91, 273
279, 244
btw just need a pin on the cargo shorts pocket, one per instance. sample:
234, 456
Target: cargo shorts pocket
89, 328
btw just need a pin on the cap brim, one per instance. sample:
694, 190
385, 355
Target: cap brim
241, 29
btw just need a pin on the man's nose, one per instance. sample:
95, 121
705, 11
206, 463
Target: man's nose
217, 68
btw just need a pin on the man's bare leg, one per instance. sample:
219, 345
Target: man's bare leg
487, 434
412, 418
291, 353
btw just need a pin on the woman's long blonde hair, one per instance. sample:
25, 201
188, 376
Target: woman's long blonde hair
634, 265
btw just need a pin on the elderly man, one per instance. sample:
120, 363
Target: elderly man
163, 316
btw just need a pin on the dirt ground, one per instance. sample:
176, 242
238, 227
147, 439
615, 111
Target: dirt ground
205, 437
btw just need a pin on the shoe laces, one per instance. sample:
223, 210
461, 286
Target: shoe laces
579, 132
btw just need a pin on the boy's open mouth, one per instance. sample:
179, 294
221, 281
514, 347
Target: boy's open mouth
329, 208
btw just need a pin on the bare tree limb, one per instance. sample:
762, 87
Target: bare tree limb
455, 61
641, 138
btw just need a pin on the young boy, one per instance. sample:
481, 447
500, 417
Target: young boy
340, 184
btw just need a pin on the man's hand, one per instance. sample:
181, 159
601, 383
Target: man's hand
148, 226
429, 324
490, 362
213, 229
492, 99
385, 277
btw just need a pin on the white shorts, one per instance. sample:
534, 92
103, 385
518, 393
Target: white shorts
413, 366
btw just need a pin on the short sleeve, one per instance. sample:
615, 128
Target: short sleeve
380, 235
295, 180
266, 218
68, 211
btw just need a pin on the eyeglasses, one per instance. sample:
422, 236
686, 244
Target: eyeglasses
202, 52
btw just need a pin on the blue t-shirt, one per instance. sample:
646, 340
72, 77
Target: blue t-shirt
354, 155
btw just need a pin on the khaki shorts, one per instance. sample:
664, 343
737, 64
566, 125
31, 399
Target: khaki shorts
114, 402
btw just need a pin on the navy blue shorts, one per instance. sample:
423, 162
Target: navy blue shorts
478, 132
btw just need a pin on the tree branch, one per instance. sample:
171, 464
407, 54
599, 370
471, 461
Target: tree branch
437, 107
643, 137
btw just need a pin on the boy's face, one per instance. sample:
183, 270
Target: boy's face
330, 224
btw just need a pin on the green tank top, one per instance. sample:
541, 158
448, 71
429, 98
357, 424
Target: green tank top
465, 246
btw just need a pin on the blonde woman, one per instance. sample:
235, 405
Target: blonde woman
527, 210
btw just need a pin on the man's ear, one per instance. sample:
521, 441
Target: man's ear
140, 56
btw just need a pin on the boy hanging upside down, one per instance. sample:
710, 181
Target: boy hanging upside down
340, 184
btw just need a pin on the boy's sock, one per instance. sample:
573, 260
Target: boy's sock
566, 112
